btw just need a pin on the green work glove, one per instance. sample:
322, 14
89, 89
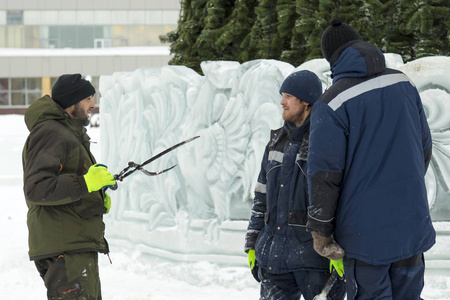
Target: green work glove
98, 177
338, 265
107, 202
252, 264
251, 259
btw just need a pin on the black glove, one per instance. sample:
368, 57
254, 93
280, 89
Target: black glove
255, 273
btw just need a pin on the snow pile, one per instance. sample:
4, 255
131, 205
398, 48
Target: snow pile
199, 210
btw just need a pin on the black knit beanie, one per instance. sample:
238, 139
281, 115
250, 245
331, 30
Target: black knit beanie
336, 35
305, 85
70, 89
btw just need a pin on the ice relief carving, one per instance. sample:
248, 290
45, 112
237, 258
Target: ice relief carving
203, 204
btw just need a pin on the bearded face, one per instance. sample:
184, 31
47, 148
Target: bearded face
82, 111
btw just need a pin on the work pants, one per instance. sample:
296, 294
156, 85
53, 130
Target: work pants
292, 285
71, 276
401, 280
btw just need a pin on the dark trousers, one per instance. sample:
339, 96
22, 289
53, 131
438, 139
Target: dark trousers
290, 286
71, 276
400, 280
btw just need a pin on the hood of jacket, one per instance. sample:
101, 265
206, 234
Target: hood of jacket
360, 59
45, 108
41, 110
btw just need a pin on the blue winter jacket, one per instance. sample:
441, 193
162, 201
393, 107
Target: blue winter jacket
370, 146
277, 227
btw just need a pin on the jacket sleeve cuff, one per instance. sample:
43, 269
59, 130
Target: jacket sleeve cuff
324, 228
250, 239
83, 187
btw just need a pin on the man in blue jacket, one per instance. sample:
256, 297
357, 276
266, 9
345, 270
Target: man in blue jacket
277, 242
370, 146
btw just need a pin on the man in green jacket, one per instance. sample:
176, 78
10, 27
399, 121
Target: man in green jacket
63, 188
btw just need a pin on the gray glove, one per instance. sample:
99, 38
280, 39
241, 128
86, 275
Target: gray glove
327, 247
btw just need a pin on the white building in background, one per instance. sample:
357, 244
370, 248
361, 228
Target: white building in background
43, 39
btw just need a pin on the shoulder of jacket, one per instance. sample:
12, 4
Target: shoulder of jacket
304, 146
54, 129
49, 125
339, 87
275, 136
274, 133
346, 83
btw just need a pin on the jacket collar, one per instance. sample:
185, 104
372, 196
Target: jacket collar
296, 133
360, 59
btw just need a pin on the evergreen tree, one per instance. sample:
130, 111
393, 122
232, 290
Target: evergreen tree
400, 38
379, 27
430, 23
234, 40
291, 31
217, 16
183, 39
264, 31
287, 17
314, 17
295, 53
355, 13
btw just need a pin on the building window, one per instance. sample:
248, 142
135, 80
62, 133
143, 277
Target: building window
74, 36
4, 91
14, 17
19, 91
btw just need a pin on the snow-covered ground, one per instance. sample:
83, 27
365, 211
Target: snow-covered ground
131, 275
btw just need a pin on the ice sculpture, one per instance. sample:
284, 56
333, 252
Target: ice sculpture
199, 210
432, 80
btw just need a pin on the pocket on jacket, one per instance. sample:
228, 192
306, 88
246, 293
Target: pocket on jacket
93, 210
261, 247
297, 226
89, 206
297, 218
271, 167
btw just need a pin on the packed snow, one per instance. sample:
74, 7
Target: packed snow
132, 274
180, 235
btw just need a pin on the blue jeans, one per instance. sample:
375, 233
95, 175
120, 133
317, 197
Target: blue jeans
403, 279
290, 286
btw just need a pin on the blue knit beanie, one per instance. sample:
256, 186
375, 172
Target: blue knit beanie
305, 85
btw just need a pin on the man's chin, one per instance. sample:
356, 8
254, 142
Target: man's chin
86, 121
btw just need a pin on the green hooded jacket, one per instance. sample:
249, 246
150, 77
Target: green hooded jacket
62, 215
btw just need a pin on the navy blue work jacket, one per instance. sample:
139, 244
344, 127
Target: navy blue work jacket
370, 146
277, 227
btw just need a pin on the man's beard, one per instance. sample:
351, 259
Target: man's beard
78, 112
